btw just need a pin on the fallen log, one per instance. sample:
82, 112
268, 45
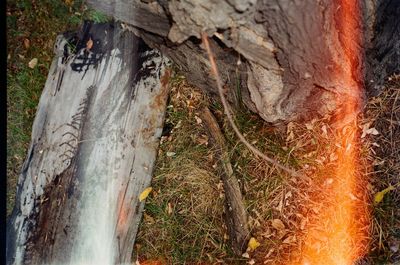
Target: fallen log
93, 147
235, 212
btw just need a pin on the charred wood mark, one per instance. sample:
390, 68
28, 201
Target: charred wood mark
145, 63
56, 183
49, 220
85, 59
64, 49
71, 138
102, 43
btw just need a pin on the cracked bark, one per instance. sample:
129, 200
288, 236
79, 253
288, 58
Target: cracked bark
287, 48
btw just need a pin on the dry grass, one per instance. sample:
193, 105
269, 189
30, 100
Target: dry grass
184, 223
183, 219
384, 113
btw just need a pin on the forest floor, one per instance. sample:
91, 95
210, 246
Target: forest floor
183, 218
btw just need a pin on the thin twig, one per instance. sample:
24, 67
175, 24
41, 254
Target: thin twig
228, 113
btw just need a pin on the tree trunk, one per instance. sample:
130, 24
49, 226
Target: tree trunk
93, 147
383, 54
288, 48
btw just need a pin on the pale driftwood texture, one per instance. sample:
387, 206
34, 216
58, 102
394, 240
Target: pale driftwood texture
93, 147
288, 48
235, 211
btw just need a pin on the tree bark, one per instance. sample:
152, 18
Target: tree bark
383, 53
93, 148
288, 49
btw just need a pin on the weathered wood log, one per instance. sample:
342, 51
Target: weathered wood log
288, 48
235, 212
93, 147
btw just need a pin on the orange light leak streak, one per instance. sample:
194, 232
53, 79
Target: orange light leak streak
338, 235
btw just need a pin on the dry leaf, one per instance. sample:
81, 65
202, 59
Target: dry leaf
324, 131
366, 130
288, 195
89, 44
198, 120
289, 132
145, 193
203, 140
169, 154
289, 240
27, 43
277, 224
309, 126
33, 63
379, 195
169, 208
253, 243
290, 137
372, 131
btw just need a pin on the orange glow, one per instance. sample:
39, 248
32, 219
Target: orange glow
338, 235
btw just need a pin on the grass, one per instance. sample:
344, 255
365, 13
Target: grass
270, 195
32, 27
183, 217
183, 221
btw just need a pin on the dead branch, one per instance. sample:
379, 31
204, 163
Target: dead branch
227, 110
236, 217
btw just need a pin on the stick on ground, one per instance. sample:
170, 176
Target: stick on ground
228, 112
236, 218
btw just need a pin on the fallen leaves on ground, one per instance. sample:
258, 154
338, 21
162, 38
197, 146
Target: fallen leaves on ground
32, 64
379, 195
253, 243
